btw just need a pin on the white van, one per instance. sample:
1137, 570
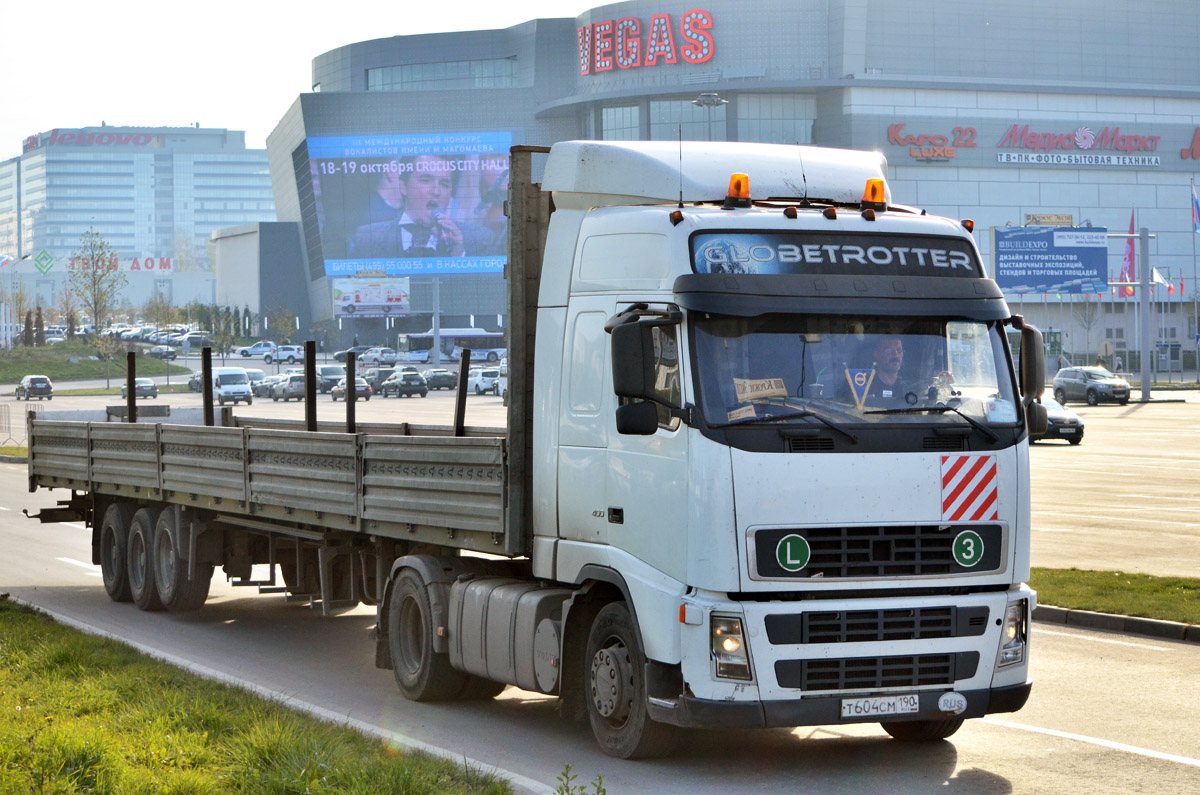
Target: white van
231, 383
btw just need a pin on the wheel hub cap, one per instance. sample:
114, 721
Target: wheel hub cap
612, 679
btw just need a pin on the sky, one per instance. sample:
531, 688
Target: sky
233, 65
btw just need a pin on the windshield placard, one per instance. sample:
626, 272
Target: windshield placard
832, 254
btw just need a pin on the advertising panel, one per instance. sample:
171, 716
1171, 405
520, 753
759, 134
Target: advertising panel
370, 297
1050, 259
409, 204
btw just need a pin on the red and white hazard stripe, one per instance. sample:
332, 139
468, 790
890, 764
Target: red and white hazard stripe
969, 488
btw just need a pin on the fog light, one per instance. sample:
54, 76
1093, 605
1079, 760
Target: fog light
1014, 635
729, 648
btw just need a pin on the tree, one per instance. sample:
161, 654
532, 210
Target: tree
68, 308
39, 329
1087, 315
221, 336
282, 323
159, 312
27, 334
107, 347
71, 324
95, 277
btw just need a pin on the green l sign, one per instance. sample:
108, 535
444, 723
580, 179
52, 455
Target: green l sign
792, 552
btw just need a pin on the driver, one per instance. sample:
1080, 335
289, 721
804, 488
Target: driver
887, 388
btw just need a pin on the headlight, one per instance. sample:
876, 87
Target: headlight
1014, 635
729, 648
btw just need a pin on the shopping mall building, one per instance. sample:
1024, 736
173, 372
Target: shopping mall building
155, 194
1016, 114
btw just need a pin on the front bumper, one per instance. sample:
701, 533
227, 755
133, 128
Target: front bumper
688, 711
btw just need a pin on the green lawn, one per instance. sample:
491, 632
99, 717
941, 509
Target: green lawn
68, 361
85, 714
1166, 598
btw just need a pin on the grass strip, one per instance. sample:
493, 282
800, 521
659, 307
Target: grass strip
85, 714
163, 389
1165, 598
68, 361
17, 450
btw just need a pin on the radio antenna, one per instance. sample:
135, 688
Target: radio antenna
679, 128
803, 176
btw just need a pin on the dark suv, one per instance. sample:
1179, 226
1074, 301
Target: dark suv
328, 375
441, 379
35, 386
1093, 384
405, 384
375, 376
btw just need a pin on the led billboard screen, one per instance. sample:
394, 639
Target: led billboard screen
411, 204
371, 297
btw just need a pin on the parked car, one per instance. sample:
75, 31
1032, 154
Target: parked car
164, 352
1062, 423
195, 340
1092, 384
328, 375
405, 384
378, 356
232, 384
357, 350
377, 375
263, 388
291, 386
484, 380
35, 386
285, 353
260, 348
362, 390
502, 383
142, 388
255, 377
196, 382
441, 379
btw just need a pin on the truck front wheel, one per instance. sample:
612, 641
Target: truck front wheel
922, 731
616, 689
175, 589
139, 560
114, 536
422, 674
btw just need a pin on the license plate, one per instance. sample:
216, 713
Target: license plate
1066, 430
879, 706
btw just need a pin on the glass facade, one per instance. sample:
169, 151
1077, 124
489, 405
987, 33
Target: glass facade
490, 73
775, 118
620, 124
669, 119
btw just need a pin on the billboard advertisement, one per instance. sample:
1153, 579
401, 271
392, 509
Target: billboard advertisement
370, 297
411, 204
1051, 259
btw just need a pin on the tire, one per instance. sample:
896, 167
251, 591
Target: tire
491, 357
275, 398
922, 731
1060, 395
175, 590
266, 358
249, 401
114, 536
139, 560
1124, 402
478, 391
291, 360
1092, 398
334, 398
1076, 440
615, 692
424, 393
245, 354
422, 674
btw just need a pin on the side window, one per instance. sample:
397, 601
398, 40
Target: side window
666, 373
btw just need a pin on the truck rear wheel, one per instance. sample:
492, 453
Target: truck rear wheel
176, 591
922, 731
616, 689
422, 674
139, 560
114, 538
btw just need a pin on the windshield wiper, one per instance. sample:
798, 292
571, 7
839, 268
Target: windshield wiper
797, 413
985, 430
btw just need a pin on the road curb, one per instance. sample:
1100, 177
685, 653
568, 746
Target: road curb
1134, 625
13, 459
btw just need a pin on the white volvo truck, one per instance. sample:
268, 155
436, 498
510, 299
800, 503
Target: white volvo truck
766, 465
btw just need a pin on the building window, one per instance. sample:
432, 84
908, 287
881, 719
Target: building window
671, 118
620, 124
775, 118
491, 73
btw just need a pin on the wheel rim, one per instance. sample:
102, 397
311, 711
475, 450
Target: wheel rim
110, 553
412, 636
137, 561
166, 559
612, 683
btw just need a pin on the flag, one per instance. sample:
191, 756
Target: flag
1157, 278
1181, 285
1195, 211
1128, 265
4, 261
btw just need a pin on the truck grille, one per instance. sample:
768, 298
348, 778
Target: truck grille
868, 673
877, 551
860, 626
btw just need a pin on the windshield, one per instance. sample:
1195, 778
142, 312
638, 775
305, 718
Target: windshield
232, 378
852, 369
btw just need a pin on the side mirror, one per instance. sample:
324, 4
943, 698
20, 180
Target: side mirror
637, 419
1036, 418
1033, 363
633, 361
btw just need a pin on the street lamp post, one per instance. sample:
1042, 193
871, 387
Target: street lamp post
709, 100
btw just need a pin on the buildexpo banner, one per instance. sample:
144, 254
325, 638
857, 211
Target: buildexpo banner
419, 204
1051, 259
370, 297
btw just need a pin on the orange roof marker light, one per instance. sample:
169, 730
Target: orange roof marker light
738, 194
875, 195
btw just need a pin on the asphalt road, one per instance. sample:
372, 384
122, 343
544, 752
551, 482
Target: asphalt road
1108, 713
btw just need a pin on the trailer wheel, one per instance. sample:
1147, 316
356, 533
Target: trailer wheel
422, 674
176, 591
139, 560
616, 689
922, 731
114, 537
